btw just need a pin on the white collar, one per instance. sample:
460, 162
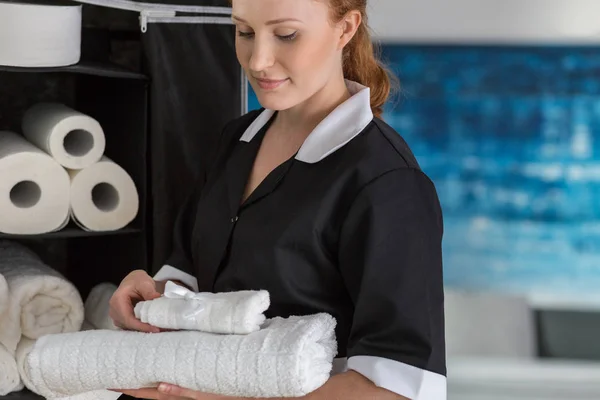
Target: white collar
341, 126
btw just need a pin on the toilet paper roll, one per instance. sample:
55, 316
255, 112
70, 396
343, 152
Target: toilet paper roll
73, 139
34, 188
103, 197
39, 33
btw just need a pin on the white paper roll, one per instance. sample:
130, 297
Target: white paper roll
74, 139
39, 34
103, 197
34, 189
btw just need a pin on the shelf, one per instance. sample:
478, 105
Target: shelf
71, 232
22, 395
83, 68
26, 394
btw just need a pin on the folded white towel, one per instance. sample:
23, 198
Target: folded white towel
41, 301
97, 307
239, 312
286, 358
9, 375
10, 381
23, 350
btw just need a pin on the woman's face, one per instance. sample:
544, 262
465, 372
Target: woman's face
288, 48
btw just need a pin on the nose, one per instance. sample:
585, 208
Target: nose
263, 55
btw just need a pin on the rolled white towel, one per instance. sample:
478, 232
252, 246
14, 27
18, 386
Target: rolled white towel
4, 296
239, 312
97, 307
10, 327
23, 349
10, 381
41, 302
286, 358
9, 375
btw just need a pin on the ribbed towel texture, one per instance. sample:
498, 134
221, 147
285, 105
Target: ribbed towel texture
239, 312
36, 300
42, 301
97, 307
286, 358
9, 375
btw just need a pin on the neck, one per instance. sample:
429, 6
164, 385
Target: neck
306, 116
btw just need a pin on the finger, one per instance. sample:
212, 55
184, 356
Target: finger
114, 312
127, 319
177, 391
133, 324
147, 289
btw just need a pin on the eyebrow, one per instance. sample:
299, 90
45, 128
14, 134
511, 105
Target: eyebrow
272, 22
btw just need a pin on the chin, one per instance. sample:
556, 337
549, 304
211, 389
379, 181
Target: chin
275, 101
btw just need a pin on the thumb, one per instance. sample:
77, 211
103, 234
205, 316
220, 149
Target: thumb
177, 391
147, 290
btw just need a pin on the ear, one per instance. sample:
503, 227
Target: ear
348, 27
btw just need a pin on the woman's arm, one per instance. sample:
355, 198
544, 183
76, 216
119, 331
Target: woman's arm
391, 262
347, 386
351, 386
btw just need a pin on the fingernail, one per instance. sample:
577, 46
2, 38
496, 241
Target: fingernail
164, 388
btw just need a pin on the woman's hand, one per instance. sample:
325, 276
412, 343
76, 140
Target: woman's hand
166, 391
137, 286
171, 392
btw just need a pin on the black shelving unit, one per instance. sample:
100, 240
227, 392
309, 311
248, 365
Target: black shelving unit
84, 68
25, 394
148, 146
118, 99
70, 231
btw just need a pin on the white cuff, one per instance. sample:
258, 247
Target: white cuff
403, 379
171, 273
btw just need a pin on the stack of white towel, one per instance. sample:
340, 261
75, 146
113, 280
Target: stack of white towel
280, 357
239, 312
35, 300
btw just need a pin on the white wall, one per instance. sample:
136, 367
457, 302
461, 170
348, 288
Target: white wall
486, 21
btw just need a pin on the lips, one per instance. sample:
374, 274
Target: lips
270, 84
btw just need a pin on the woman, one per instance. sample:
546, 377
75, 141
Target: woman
319, 202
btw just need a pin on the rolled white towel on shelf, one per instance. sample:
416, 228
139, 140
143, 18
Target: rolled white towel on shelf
10, 381
41, 302
288, 357
97, 307
9, 375
239, 312
23, 349
4, 296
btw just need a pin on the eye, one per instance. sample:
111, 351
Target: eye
243, 34
288, 38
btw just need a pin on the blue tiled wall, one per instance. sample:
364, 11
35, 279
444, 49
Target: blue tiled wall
511, 138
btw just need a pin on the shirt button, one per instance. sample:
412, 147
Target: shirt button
234, 219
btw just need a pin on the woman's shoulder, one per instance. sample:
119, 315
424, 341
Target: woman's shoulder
379, 148
396, 143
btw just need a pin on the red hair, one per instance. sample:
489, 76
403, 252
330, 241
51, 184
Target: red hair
360, 61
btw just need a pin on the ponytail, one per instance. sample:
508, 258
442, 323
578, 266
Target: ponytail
360, 61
